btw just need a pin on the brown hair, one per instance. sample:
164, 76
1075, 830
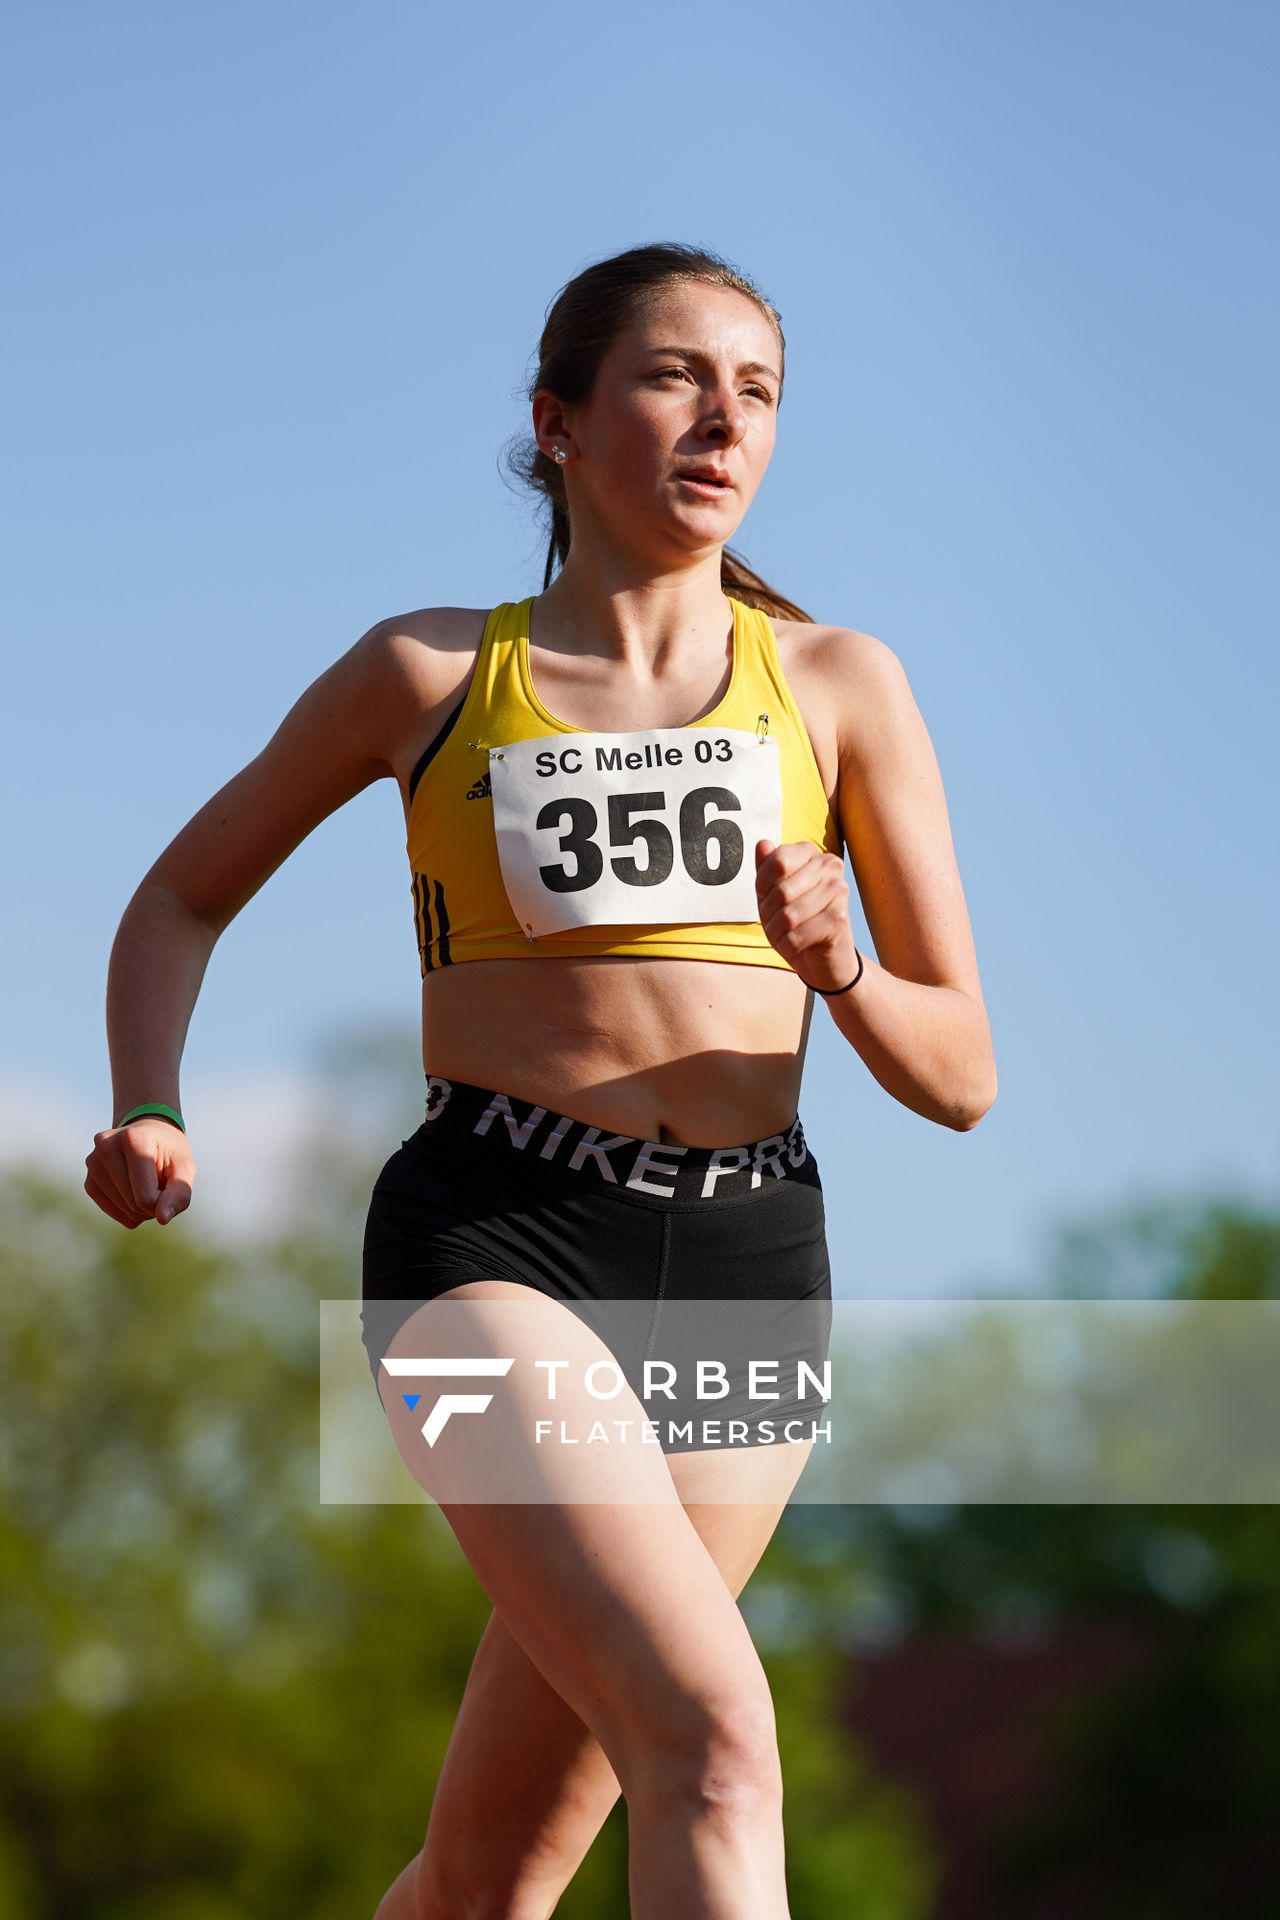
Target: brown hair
582, 323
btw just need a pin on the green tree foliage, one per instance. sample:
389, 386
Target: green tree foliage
1166, 1781
219, 1697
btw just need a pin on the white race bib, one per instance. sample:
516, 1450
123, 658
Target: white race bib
634, 829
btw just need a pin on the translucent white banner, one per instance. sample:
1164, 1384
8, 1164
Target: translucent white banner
525, 1398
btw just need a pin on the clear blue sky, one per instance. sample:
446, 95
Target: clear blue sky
275, 277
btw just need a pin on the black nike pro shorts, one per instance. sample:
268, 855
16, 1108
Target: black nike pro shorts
494, 1187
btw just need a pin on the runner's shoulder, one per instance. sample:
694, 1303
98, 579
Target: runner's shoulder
854, 675
425, 641
410, 663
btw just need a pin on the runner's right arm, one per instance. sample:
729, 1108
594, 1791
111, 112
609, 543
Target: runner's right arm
336, 739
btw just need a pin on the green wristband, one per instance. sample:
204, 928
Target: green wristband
167, 1113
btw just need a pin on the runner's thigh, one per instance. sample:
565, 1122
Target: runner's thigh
596, 1569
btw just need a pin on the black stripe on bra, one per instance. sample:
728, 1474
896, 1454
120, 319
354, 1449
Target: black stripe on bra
442, 921
424, 920
429, 753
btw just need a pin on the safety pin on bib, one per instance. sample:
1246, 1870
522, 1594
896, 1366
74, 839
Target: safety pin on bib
762, 727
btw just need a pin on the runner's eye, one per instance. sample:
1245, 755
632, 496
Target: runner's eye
662, 373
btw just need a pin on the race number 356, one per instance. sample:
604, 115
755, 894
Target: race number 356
640, 828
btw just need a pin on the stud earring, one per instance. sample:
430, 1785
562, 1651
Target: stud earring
558, 453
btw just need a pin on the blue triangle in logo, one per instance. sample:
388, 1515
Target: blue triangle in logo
411, 1400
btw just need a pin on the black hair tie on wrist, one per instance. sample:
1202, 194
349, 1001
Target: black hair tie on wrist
829, 993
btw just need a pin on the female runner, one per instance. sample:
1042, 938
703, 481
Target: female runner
586, 1113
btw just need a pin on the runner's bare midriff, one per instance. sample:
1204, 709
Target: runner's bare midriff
699, 1053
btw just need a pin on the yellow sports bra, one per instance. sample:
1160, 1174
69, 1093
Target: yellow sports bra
528, 837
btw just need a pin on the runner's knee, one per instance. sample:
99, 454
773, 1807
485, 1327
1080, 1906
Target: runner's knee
721, 1754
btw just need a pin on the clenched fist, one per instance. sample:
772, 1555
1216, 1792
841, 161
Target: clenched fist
804, 909
141, 1172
